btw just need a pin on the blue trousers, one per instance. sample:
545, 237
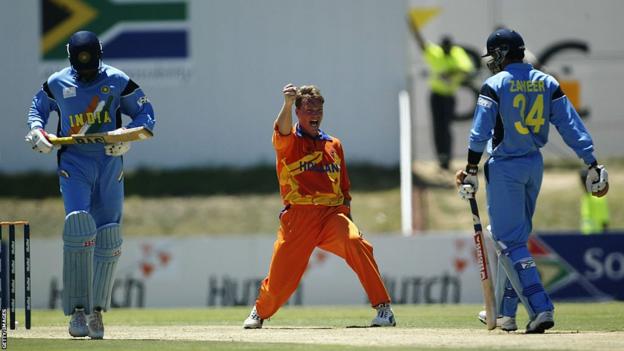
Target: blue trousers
512, 187
92, 182
513, 184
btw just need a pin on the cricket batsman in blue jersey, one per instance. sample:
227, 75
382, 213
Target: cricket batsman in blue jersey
513, 113
89, 97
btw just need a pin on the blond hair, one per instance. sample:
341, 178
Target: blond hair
308, 92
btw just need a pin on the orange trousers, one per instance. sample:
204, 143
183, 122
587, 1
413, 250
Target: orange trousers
302, 228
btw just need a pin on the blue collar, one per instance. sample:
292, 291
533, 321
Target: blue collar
74, 74
519, 65
321, 135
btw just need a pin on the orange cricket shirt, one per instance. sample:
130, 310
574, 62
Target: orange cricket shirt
310, 170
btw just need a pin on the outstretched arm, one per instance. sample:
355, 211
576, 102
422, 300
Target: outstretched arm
284, 118
416, 32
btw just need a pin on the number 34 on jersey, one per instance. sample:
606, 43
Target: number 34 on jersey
534, 119
535, 116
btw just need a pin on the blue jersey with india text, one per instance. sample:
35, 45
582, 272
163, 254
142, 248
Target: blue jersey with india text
90, 107
514, 110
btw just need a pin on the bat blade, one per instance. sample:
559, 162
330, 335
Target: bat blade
115, 136
484, 268
486, 281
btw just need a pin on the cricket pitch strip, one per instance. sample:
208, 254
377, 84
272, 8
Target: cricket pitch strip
382, 337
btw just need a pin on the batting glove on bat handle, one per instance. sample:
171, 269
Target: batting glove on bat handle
597, 181
467, 182
39, 141
117, 149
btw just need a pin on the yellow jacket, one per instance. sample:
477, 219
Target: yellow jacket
447, 71
594, 214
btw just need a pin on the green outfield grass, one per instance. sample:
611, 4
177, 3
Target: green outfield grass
376, 207
203, 329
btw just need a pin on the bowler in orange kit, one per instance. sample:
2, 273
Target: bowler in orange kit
314, 186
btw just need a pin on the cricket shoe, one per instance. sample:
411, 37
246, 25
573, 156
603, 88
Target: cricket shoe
541, 322
385, 316
78, 323
253, 321
96, 325
507, 324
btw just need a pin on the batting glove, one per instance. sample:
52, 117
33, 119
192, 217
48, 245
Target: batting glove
597, 181
117, 149
467, 182
38, 140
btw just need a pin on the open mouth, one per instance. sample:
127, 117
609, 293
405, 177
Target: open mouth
314, 123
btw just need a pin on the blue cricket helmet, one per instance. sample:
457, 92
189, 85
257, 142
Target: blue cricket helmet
84, 50
500, 44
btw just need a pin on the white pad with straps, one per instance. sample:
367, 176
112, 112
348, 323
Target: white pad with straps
78, 242
499, 286
505, 262
107, 252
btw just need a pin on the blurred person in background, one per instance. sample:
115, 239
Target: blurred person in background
89, 97
314, 186
450, 67
594, 210
512, 117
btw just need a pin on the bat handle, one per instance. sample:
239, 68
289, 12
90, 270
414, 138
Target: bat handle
476, 219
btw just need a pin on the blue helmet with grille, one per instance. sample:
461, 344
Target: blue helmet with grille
85, 51
503, 43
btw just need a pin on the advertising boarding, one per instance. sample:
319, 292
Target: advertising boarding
227, 271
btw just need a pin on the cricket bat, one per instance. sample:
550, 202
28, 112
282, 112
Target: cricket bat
114, 136
484, 267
